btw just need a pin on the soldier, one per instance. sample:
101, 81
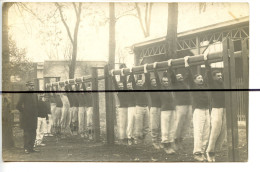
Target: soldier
74, 117
218, 113
71, 98
58, 110
82, 118
122, 110
153, 83
183, 108
141, 117
89, 111
47, 98
43, 120
65, 128
28, 107
201, 117
131, 111
168, 112
53, 107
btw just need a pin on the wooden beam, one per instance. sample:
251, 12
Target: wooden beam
110, 110
178, 63
95, 118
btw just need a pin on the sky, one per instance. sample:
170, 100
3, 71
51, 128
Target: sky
37, 38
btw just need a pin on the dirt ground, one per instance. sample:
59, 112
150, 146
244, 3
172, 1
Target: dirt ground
77, 149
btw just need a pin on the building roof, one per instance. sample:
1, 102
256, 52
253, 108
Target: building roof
211, 28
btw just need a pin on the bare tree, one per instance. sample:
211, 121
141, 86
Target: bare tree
73, 38
145, 21
142, 12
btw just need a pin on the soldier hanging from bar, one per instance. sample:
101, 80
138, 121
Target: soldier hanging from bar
58, 110
123, 107
141, 118
154, 83
201, 116
167, 112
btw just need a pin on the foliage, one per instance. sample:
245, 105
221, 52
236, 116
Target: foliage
19, 63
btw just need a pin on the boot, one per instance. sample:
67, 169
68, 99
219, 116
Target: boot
168, 150
156, 145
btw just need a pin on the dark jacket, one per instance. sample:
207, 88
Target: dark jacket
58, 100
82, 100
167, 98
71, 99
200, 99
154, 96
181, 97
218, 97
122, 96
43, 109
28, 107
141, 98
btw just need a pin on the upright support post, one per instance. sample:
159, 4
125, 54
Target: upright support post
171, 36
231, 116
198, 52
234, 104
110, 110
245, 59
96, 123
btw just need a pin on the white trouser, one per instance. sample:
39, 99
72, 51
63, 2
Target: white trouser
82, 120
41, 129
218, 129
155, 123
130, 121
201, 124
53, 109
74, 117
182, 120
89, 111
57, 116
48, 126
122, 122
65, 114
167, 126
141, 122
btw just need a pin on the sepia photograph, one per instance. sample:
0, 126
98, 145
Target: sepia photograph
125, 82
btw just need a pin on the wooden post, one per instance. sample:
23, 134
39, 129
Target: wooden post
234, 104
227, 99
171, 36
198, 52
231, 115
110, 110
245, 59
96, 121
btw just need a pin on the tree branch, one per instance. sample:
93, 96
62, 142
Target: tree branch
64, 22
126, 13
26, 8
140, 18
149, 19
75, 8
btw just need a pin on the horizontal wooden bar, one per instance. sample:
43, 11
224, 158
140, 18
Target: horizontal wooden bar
177, 63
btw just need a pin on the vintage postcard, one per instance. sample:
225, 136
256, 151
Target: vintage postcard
125, 81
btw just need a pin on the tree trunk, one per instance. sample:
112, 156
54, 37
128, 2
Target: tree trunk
112, 41
5, 48
75, 44
172, 30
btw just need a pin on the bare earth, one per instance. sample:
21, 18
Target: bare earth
77, 149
